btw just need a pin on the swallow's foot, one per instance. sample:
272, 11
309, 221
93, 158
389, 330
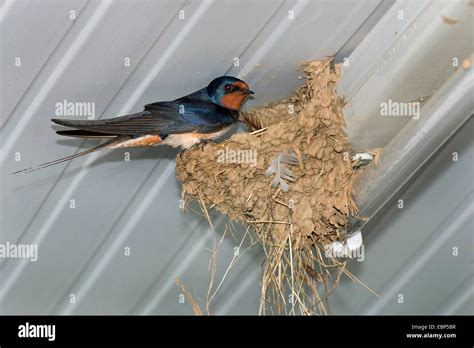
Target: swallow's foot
202, 143
207, 141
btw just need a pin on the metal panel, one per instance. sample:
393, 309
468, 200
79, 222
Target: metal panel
407, 57
446, 111
134, 204
20, 63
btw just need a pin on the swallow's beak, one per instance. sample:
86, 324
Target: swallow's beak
249, 92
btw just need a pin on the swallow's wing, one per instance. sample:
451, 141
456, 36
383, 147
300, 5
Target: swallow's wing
184, 115
136, 124
161, 118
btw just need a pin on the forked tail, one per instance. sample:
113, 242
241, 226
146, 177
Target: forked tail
68, 158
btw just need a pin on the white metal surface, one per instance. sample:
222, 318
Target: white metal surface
75, 51
407, 57
134, 204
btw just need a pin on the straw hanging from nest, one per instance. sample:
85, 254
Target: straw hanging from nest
290, 180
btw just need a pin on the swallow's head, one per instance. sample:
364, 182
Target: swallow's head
228, 92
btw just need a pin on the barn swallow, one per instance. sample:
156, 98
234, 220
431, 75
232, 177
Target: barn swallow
201, 116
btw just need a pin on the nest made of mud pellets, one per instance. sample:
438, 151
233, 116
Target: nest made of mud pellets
302, 141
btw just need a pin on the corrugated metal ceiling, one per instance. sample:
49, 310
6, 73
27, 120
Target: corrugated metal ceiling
76, 51
85, 213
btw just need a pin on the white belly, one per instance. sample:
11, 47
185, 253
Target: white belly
187, 140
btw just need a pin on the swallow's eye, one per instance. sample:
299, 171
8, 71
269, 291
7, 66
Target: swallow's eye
228, 87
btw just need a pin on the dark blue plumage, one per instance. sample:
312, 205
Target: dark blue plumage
200, 116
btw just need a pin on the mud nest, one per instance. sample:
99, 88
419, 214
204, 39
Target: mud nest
290, 180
